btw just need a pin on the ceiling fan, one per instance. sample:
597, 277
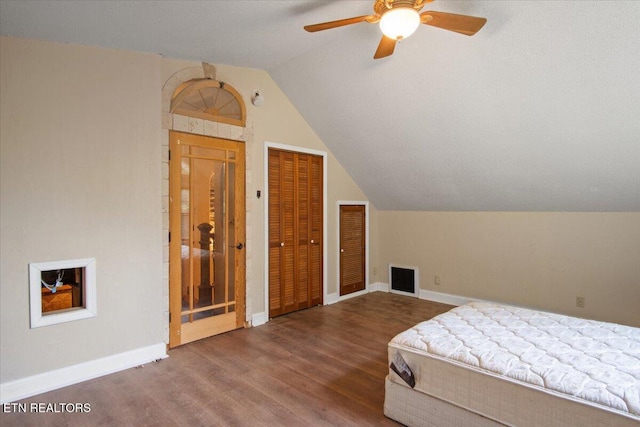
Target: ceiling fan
400, 18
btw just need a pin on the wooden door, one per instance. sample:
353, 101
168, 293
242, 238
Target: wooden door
352, 248
295, 231
207, 234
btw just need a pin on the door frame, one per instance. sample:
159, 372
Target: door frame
366, 290
267, 145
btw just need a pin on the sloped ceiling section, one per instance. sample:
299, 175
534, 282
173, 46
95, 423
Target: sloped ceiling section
539, 111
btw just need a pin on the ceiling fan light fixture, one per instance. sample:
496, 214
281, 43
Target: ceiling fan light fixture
400, 22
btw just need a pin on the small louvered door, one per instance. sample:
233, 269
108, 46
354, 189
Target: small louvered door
352, 248
295, 231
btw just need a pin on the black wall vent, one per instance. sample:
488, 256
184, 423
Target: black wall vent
404, 280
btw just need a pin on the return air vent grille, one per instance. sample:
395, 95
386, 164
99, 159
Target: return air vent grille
404, 280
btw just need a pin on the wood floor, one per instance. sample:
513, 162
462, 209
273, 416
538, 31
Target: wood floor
320, 366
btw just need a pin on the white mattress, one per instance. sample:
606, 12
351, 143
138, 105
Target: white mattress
595, 365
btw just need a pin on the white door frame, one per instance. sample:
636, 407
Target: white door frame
366, 248
265, 318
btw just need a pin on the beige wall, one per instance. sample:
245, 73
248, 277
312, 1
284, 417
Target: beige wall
277, 121
79, 178
541, 260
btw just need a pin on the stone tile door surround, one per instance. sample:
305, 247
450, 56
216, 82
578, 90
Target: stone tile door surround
201, 127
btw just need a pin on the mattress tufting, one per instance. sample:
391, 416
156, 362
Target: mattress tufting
586, 360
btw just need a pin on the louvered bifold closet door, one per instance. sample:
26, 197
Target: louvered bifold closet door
316, 231
302, 228
352, 248
288, 233
275, 223
281, 233
295, 231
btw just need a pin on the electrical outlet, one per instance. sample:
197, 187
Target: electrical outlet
580, 302
375, 271
436, 280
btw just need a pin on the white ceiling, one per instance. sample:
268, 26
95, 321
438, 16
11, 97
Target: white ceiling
540, 111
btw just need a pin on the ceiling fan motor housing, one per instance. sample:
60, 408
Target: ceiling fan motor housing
381, 6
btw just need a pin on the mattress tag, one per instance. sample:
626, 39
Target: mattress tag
400, 367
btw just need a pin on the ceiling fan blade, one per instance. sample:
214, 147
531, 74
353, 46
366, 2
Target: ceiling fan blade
463, 24
334, 24
385, 48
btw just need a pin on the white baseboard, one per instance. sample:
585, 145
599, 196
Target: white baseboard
41, 383
259, 319
332, 299
445, 298
430, 295
379, 286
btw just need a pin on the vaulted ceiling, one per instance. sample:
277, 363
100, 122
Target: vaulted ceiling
539, 111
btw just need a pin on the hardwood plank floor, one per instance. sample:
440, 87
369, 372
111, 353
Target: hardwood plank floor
320, 366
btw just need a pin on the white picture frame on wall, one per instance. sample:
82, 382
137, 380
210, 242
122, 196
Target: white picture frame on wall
89, 306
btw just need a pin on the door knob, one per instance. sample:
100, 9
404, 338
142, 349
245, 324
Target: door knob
240, 246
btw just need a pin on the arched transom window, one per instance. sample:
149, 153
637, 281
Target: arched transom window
210, 100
